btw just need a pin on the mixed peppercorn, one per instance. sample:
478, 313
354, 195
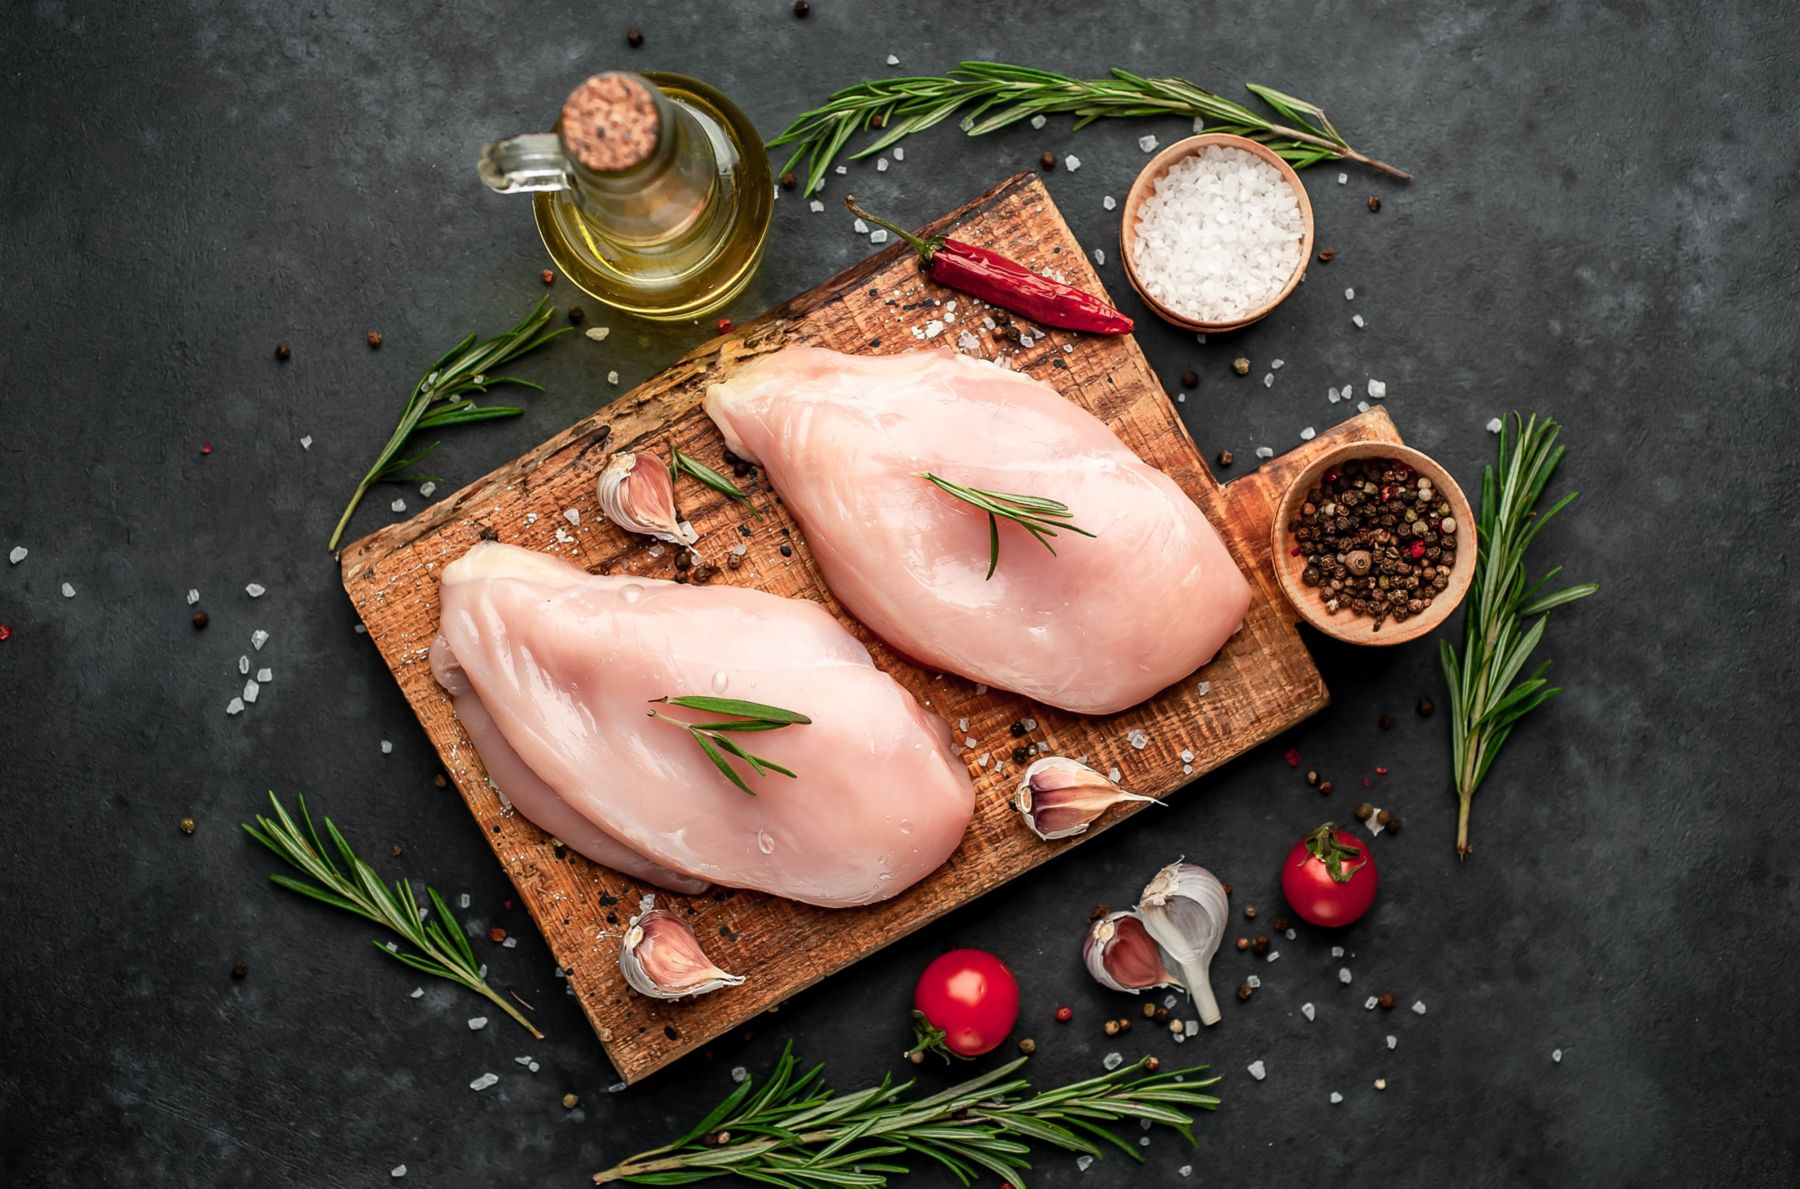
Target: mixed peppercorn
1376, 539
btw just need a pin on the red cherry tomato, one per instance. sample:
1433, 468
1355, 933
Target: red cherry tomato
1329, 877
965, 1004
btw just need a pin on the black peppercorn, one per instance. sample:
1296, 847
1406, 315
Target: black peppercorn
201, 618
1243, 943
1189, 379
1018, 730
1393, 824
802, 9
1282, 924
240, 970
374, 337
1374, 204
1259, 945
576, 315
1245, 990
787, 551
1385, 722
1427, 707
1383, 818
1386, 999
1312, 778
634, 38
789, 181
1241, 366
1364, 812
1021, 755
1151, 1065
1224, 458
1028, 1046
282, 352
1249, 912
1326, 254
1047, 162
548, 277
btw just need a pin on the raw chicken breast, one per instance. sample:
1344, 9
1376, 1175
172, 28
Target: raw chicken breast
1102, 625
564, 665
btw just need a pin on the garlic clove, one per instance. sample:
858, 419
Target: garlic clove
1121, 954
1185, 910
662, 958
637, 495
1061, 797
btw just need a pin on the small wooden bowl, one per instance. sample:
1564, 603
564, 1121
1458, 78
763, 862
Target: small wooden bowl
1146, 182
1349, 626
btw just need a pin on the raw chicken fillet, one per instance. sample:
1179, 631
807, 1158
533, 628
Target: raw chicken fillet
1100, 626
554, 671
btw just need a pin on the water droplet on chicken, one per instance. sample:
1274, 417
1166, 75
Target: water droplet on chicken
720, 680
905, 826
764, 842
885, 876
631, 592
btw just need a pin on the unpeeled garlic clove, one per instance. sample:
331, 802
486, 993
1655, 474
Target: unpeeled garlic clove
1061, 797
637, 495
1185, 910
662, 958
1121, 954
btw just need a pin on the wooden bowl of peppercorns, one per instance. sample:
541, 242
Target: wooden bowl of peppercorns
1374, 544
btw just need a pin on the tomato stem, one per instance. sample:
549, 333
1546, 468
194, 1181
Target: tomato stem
930, 1038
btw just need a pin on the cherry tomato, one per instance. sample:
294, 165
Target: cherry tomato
965, 1004
1329, 877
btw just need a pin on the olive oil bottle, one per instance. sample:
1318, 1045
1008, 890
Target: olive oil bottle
653, 193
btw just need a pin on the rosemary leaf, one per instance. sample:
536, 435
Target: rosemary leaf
681, 464
715, 739
1040, 517
1498, 643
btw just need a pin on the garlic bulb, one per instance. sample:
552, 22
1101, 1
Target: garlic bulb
1060, 797
637, 495
1121, 954
662, 958
1184, 908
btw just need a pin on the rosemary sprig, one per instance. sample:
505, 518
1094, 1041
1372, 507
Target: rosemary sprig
686, 464
1004, 94
443, 950
713, 737
794, 1132
1040, 517
1486, 702
439, 400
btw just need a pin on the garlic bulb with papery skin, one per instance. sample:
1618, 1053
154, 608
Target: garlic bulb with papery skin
1061, 797
637, 495
1185, 910
662, 958
1121, 954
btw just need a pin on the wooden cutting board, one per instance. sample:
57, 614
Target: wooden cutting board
1261, 683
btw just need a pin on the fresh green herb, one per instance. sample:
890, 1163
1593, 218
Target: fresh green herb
1004, 94
1323, 845
794, 1132
714, 737
438, 400
1040, 517
689, 465
443, 949
1485, 701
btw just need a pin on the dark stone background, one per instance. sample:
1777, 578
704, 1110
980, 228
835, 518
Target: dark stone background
1598, 230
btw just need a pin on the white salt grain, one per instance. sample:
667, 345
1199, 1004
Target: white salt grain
398, 505
860, 227
878, 236
255, 590
1113, 775
1147, 143
881, 165
235, 706
68, 592
1253, 982
477, 1023
1344, 974
612, 378
243, 665
1268, 379
251, 689
258, 638
1377, 388
616, 1087
1108, 203
1349, 295
1493, 426
1418, 1007
265, 675
398, 1171
306, 442
599, 333
1257, 1071
1100, 256
417, 993
1309, 1011
462, 901
1113, 1060
572, 515
1072, 162
1138, 739
1337, 951
899, 153
1219, 235
1291, 934
1392, 1041
510, 943
387, 748
484, 1081
193, 596
1307, 434
563, 537
1186, 1170
1343, 178
1369, 1003
1187, 757
1333, 394
1169, 1001
1265, 452
842, 169
1357, 320
1274, 955
816, 207
1204, 688
1038, 121
1083, 1161
427, 489
739, 1074
1336, 1098
893, 60
1362, 406
1275, 364
1556, 1056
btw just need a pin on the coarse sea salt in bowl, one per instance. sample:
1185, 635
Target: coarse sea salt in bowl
1216, 232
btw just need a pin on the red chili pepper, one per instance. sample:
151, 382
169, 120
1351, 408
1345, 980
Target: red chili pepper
999, 281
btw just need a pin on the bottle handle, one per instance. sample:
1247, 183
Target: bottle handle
525, 163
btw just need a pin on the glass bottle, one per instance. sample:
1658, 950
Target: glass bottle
653, 193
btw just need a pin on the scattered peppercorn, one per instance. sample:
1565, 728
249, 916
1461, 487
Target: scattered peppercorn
1021, 755
1151, 1065
1325, 788
1124, 1024
1028, 1046
1227, 888
1241, 366
1064, 1014
1047, 161
1224, 458
1018, 730
1259, 945
548, 277
1374, 204
1189, 379
1385, 722
240, 970
187, 825
1111, 1027
1245, 990
1386, 999
1312, 777
787, 551
283, 352
1326, 255
789, 180
1282, 924
577, 315
1380, 1083
734, 560
1426, 707
441, 780
1383, 818
1393, 824
802, 9
1176, 1027
571, 1101
1243, 943
374, 339
1162, 1014
496, 935
1364, 812
201, 619
398, 850
1249, 912
634, 37
724, 325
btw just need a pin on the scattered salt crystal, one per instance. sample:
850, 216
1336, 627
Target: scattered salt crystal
1392, 1041
1187, 757
1307, 434
398, 1171
243, 664
1145, 1124
1309, 1011
933, 328
969, 742
387, 748
1493, 426
1144, 1140
1147, 143
881, 165
1138, 740
1362, 406
816, 207
612, 378
1344, 975
1113, 1060
572, 515
647, 901
1072, 162
1257, 1071
255, 590
398, 505
360, 629
860, 227
1100, 256
1187, 769
1083, 1161
739, 1074
251, 689
258, 638
526, 1061
1186, 1170
484, 1081
981, 761
967, 342
1369, 1003
1343, 178
1336, 1097
1377, 388
1349, 295
477, 1023
899, 153
599, 333
616, 1087
1357, 320
1337, 951
417, 993
1108, 203
1169, 1001
1291, 935
892, 60
563, 536
306, 442
980, 690
510, 943
1273, 955
1253, 982
842, 169
1038, 121
1265, 452
235, 706
1555, 1055
1268, 379
531, 518
1418, 1007
427, 489
533, 1067
68, 592
1333, 394
462, 901
878, 236
1275, 364
193, 596
1030, 724
653, 551
1204, 688
1113, 774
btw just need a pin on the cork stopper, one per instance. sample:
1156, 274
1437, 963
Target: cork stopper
610, 122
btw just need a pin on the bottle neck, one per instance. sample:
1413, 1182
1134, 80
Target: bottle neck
660, 198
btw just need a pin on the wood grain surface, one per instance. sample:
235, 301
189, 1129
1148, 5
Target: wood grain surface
1262, 682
